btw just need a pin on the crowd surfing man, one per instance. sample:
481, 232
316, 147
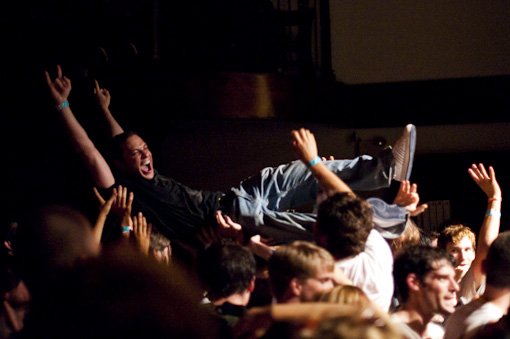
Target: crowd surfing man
258, 203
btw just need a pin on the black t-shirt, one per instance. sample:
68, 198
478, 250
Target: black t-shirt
175, 210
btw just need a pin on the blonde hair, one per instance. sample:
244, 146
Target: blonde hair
299, 259
454, 234
411, 236
354, 326
344, 295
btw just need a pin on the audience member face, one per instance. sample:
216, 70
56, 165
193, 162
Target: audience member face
464, 253
322, 281
137, 157
439, 290
163, 256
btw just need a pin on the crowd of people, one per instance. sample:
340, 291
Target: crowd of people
162, 259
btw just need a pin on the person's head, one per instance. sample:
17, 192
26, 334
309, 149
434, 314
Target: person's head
434, 237
411, 236
353, 326
425, 279
299, 270
52, 239
160, 247
226, 268
132, 155
122, 294
497, 262
459, 241
344, 295
343, 224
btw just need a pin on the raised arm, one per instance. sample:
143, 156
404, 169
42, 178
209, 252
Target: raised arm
103, 98
305, 148
104, 210
491, 222
101, 173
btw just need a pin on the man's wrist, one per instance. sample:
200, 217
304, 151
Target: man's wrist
314, 162
60, 107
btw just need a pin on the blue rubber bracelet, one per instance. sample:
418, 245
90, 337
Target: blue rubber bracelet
63, 105
493, 213
314, 161
126, 229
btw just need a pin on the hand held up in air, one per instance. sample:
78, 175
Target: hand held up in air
486, 181
304, 145
60, 87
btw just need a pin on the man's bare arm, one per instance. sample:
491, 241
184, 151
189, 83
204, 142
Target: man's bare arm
491, 222
103, 98
101, 172
305, 148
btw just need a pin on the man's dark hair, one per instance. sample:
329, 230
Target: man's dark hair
225, 268
498, 261
115, 150
420, 260
346, 221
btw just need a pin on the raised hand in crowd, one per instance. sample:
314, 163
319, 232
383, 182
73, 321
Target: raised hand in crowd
259, 247
305, 148
60, 87
122, 206
486, 181
228, 228
142, 233
104, 209
102, 97
408, 197
489, 230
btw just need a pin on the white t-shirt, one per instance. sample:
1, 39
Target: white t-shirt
468, 318
433, 330
372, 270
467, 291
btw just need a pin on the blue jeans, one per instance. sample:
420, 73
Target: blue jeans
262, 201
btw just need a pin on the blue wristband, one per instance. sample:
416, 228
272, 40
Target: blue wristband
126, 229
63, 105
493, 213
314, 162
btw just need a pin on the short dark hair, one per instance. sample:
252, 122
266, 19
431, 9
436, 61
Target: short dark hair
225, 268
418, 259
115, 150
498, 261
346, 221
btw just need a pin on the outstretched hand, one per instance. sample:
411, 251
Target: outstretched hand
409, 198
228, 228
486, 181
122, 206
142, 233
104, 209
304, 145
102, 96
60, 87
